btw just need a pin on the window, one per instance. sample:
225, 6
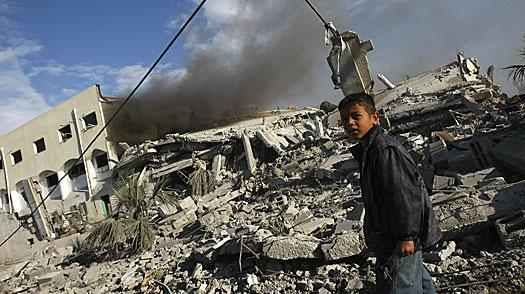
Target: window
90, 120
77, 170
16, 157
65, 133
40, 145
102, 161
52, 180
1, 164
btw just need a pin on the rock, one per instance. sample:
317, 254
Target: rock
291, 247
442, 182
252, 279
342, 246
442, 254
459, 214
197, 272
217, 217
132, 277
55, 278
353, 285
93, 273
187, 204
312, 225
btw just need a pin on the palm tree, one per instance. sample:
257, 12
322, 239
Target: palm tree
517, 71
130, 229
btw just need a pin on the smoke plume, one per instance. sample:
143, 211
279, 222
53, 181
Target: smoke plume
248, 55
253, 63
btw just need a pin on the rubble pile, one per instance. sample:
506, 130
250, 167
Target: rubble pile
272, 203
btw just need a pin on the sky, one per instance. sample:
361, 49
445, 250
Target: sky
235, 54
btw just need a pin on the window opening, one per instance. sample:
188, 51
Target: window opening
16, 156
52, 180
77, 171
102, 160
65, 133
40, 145
90, 120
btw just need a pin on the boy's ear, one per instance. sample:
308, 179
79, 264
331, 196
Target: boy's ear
375, 118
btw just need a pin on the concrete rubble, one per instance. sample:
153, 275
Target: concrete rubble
272, 203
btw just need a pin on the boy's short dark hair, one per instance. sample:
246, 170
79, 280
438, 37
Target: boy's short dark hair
359, 98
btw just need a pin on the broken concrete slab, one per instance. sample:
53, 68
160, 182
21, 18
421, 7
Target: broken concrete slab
292, 247
93, 273
439, 255
54, 278
270, 140
132, 276
342, 246
312, 225
338, 164
442, 182
472, 179
460, 214
216, 217
170, 168
250, 159
217, 167
187, 204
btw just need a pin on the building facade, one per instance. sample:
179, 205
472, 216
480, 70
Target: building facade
36, 155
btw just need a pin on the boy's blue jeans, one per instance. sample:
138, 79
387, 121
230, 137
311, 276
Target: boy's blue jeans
407, 274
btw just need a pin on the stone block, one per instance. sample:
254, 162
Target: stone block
94, 273
342, 246
217, 217
312, 225
459, 214
291, 247
442, 182
184, 219
54, 278
439, 255
187, 204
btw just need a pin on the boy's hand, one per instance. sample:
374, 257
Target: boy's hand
405, 248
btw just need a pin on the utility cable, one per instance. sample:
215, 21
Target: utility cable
326, 25
152, 67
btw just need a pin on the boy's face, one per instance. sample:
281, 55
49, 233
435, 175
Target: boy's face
357, 121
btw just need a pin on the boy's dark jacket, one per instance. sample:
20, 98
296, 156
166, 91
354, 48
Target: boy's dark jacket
397, 205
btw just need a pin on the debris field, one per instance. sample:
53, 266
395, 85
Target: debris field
271, 204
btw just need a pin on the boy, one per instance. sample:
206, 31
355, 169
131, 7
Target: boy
399, 220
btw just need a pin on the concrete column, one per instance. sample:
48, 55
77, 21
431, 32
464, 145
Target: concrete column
110, 148
6, 178
81, 149
65, 185
250, 159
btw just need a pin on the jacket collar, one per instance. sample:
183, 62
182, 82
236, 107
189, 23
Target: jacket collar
358, 150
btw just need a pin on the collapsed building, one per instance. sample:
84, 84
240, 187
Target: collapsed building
272, 202
39, 153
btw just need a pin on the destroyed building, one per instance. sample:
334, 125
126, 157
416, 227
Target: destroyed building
37, 154
272, 203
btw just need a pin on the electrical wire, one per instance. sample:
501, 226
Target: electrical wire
152, 67
326, 25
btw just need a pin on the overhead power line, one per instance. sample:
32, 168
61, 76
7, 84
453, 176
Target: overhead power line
326, 25
152, 67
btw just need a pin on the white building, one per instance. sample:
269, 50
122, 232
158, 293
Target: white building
37, 154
